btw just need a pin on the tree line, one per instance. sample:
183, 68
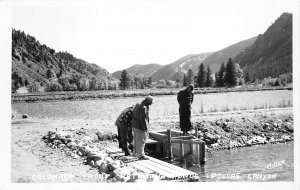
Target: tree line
134, 81
228, 75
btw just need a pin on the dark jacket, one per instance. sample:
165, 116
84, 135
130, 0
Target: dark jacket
185, 98
140, 117
124, 119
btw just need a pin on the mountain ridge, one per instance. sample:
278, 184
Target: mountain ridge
271, 53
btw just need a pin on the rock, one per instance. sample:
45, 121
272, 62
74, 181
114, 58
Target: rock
249, 142
109, 160
113, 166
209, 138
87, 138
289, 127
69, 140
63, 140
61, 146
266, 125
218, 123
76, 156
68, 136
24, 116
286, 138
99, 163
271, 140
215, 145
103, 168
91, 163
97, 156
71, 144
125, 171
259, 139
52, 137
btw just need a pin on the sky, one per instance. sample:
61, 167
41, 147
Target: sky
117, 34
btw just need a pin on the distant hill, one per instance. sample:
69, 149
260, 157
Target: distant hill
176, 69
217, 58
147, 70
34, 63
271, 53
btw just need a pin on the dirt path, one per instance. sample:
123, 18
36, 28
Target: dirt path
33, 161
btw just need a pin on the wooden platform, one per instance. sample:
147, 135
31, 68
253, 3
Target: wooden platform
154, 166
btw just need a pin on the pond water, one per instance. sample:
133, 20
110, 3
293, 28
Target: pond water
163, 106
273, 162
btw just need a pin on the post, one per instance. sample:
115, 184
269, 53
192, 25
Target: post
170, 154
181, 150
197, 153
192, 148
202, 152
196, 132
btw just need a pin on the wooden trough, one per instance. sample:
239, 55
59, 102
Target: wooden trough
165, 170
172, 144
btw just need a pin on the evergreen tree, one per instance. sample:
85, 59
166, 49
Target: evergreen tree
220, 77
149, 82
230, 73
185, 82
190, 77
124, 80
209, 80
201, 79
247, 77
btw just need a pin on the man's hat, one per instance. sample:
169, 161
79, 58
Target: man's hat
149, 98
191, 86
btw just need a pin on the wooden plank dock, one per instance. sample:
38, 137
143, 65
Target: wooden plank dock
165, 170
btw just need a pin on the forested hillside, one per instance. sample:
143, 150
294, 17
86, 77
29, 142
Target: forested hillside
271, 53
42, 69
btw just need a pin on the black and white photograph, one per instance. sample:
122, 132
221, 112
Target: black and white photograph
152, 92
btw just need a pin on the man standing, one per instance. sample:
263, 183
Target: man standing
124, 130
185, 99
140, 125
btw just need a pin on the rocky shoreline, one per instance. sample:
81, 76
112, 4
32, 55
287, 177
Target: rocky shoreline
233, 133
79, 145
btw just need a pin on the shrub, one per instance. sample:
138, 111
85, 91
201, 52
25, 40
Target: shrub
54, 86
278, 82
64, 81
34, 87
72, 87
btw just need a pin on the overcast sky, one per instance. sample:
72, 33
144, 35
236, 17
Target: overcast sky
117, 34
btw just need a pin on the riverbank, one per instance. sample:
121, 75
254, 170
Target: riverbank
61, 96
32, 158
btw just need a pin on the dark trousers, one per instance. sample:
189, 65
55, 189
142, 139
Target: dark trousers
185, 118
124, 137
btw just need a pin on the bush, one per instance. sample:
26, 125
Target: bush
54, 86
34, 87
72, 87
286, 78
64, 81
278, 82
83, 84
